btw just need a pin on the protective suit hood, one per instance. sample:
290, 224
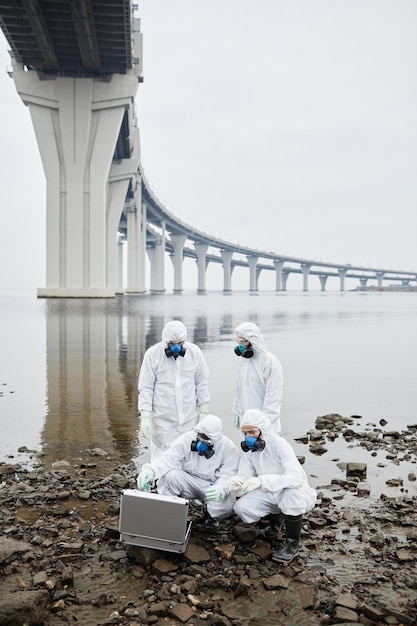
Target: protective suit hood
174, 331
255, 417
212, 426
251, 332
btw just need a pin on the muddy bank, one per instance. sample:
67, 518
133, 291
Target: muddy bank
61, 561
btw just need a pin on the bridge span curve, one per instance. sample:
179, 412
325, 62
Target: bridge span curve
169, 233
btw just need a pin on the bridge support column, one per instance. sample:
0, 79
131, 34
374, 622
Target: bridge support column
342, 274
177, 258
201, 250
380, 278
305, 268
285, 274
278, 274
323, 279
77, 123
157, 259
136, 242
119, 288
252, 262
227, 256
363, 282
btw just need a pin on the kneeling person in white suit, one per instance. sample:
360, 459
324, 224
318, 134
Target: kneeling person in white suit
197, 465
271, 482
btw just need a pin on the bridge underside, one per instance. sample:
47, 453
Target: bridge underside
81, 38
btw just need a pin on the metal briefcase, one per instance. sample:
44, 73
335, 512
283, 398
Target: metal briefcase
153, 520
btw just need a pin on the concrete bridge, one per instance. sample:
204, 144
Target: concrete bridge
77, 65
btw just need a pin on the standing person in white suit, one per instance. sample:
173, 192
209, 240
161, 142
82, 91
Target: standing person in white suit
271, 482
173, 388
260, 378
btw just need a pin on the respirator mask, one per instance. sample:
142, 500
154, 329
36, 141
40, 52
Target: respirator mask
242, 350
204, 448
252, 443
175, 350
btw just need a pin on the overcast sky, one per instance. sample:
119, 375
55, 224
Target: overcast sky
289, 125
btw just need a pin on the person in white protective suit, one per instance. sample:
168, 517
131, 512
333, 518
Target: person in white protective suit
260, 378
173, 388
197, 465
271, 482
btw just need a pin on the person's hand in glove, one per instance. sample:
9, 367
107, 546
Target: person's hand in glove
235, 485
145, 423
214, 493
145, 477
252, 483
202, 411
236, 420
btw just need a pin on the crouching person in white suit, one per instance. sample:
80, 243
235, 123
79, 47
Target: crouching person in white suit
197, 465
271, 482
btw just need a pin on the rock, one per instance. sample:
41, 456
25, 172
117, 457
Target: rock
163, 566
343, 614
275, 582
226, 551
182, 612
356, 469
10, 549
24, 607
196, 554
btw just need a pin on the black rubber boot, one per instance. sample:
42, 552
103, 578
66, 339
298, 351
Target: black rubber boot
293, 526
210, 523
275, 523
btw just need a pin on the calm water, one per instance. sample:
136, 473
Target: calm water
69, 368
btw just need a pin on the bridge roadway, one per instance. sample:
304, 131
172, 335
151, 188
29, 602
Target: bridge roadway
169, 232
77, 65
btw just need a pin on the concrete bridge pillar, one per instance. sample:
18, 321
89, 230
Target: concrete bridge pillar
252, 262
136, 242
278, 264
77, 123
157, 258
380, 278
227, 256
258, 273
119, 288
201, 250
342, 274
363, 282
177, 258
305, 268
323, 279
285, 274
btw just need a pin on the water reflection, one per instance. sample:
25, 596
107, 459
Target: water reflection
94, 351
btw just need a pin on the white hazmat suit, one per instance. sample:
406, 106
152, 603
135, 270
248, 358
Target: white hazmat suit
184, 472
282, 484
260, 379
173, 390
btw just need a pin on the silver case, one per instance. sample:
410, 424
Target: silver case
153, 520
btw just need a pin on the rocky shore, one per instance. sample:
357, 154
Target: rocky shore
61, 560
